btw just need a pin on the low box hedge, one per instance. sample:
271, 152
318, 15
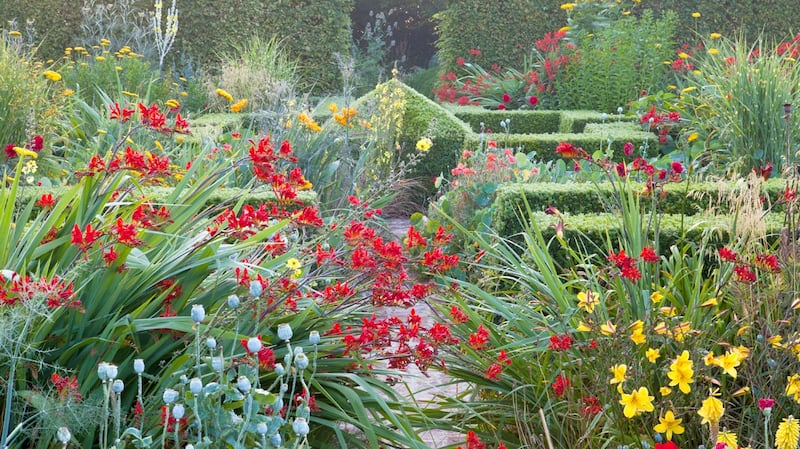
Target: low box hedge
585, 198
576, 121
545, 144
522, 121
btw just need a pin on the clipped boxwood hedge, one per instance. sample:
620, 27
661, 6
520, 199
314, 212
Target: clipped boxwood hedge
522, 121
584, 230
545, 144
576, 121
585, 198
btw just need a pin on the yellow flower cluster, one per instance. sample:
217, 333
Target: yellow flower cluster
224, 94
52, 75
309, 122
344, 116
239, 105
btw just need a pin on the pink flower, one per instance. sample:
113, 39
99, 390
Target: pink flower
506, 98
765, 403
677, 168
628, 149
533, 100
501, 107
460, 61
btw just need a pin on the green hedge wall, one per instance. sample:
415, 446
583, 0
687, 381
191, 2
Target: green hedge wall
585, 198
576, 121
545, 144
522, 122
57, 22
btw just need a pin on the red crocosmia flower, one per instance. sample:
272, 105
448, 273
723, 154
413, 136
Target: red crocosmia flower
458, 315
626, 265
84, 239
765, 403
666, 445
37, 143
126, 233
560, 342
570, 151
46, 201
591, 406
110, 256
480, 339
10, 153
677, 168
119, 113
474, 52
767, 262
181, 125
459, 61
533, 100
501, 107
66, 387
765, 171
727, 255
493, 371
648, 255
506, 98
560, 385
744, 274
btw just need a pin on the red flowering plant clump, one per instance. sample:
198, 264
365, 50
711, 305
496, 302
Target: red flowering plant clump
502, 88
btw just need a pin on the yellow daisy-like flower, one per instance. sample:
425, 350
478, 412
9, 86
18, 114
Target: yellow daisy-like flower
52, 75
239, 105
15, 33
728, 438
696, 15
681, 373
776, 342
715, 35
669, 425
99, 58
224, 94
68, 92
692, 137
787, 434
637, 402
713, 51
172, 103
619, 372
652, 354
22, 152
683, 55
588, 300
711, 410
293, 264
568, 6
424, 144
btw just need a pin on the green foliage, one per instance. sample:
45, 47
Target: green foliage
522, 121
614, 64
738, 100
509, 29
423, 81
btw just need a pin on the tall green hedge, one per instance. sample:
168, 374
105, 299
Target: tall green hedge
311, 31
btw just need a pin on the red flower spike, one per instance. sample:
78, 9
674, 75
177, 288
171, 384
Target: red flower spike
648, 255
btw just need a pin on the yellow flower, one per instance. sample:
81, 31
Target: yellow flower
696, 72
656, 297
588, 300
239, 105
564, 29
715, 35
118, 68
608, 329
636, 402
728, 438
22, 152
333, 108
683, 55
15, 33
99, 58
51, 75
711, 410
692, 137
713, 51
293, 264
638, 337
619, 372
68, 92
568, 6
787, 434
130, 94
775, 342
184, 94
669, 425
224, 94
696, 15
105, 42
681, 373
793, 387
665, 391
689, 89
172, 103
653, 354
582, 327
728, 363
424, 144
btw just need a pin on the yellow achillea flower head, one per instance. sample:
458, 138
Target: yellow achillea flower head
637, 402
787, 434
711, 410
52, 75
670, 425
696, 15
568, 6
172, 103
715, 35
224, 94
22, 152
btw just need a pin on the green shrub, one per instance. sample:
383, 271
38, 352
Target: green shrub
522, 121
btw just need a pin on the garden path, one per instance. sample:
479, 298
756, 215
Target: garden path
423, 387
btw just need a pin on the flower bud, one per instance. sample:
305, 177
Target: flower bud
63, 435
111, 371
256, 289
211, 343
118, 386
195, 385
279, 370
198, 313
313, 337
261, 428
301, 361
300, 427
276, 440
298, 350
102, 371
178, 411
138, 366
285, 331
233, 301
216, 363
170, 396
243, 384
254, 345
